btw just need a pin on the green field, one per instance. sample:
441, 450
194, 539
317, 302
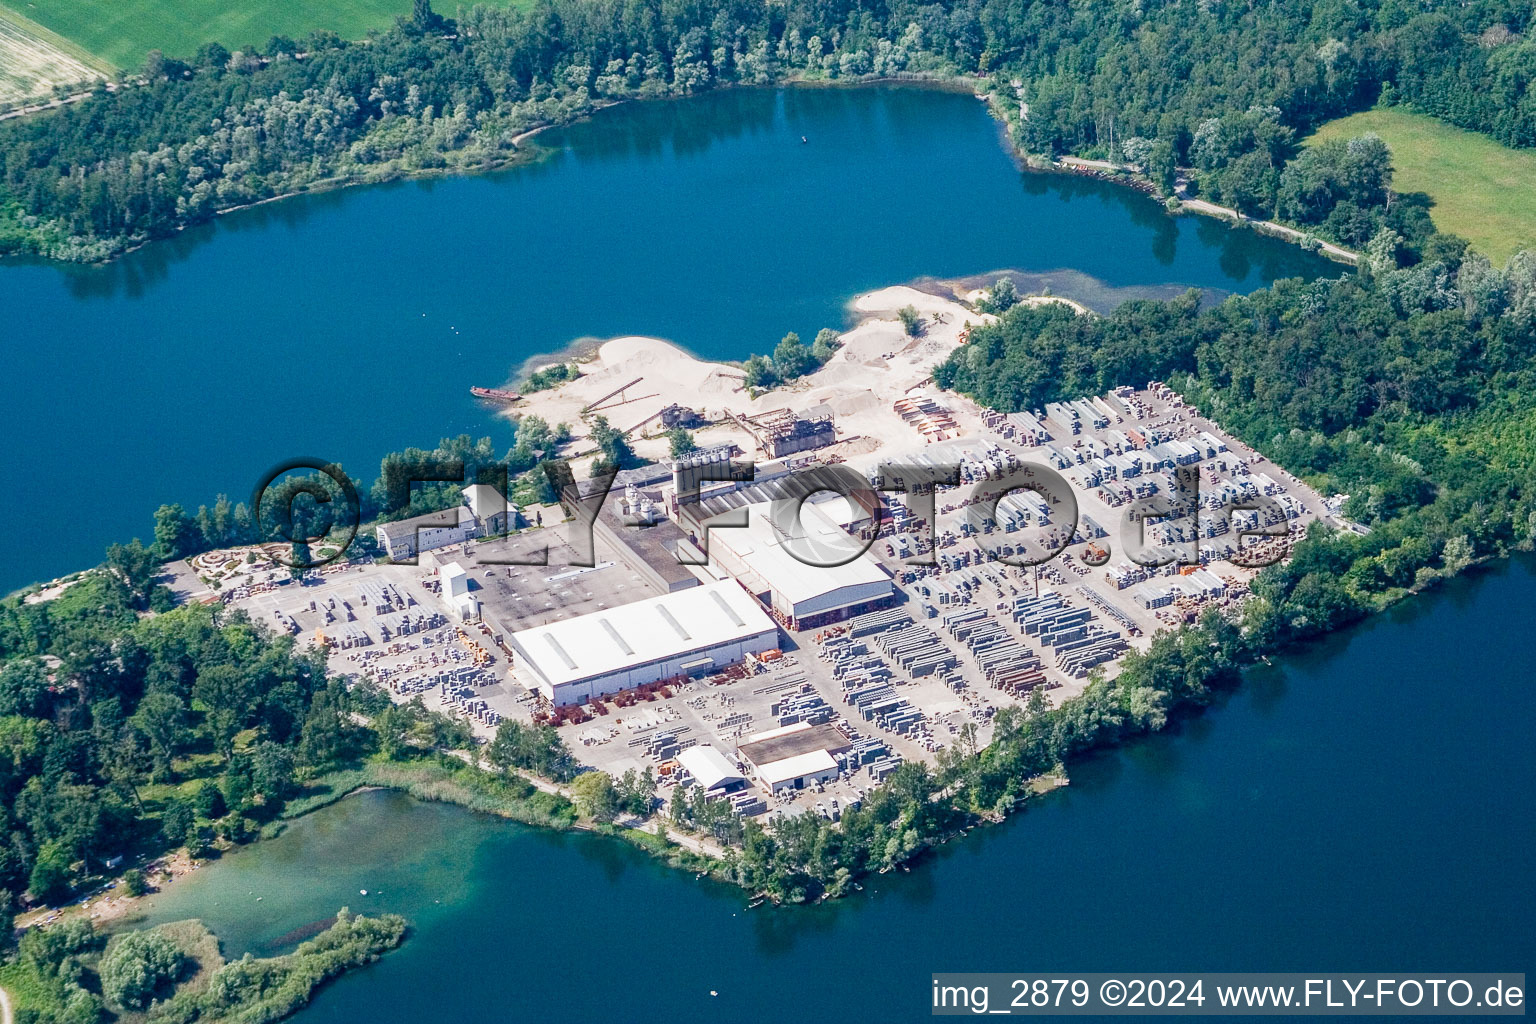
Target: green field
33, 60
123, 31
1482, 191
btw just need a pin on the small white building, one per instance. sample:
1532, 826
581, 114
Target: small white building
793, 756
712, 771
798, 772
485, 513
455, 580
457, 591
490, 509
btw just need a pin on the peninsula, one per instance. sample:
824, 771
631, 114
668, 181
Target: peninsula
748, 714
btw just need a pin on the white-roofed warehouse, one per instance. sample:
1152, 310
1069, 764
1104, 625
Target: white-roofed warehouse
712, 771
804, 595
688, 632
793, 756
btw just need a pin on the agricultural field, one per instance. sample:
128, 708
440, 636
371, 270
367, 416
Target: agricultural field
1481, 190
33, 61
123, 31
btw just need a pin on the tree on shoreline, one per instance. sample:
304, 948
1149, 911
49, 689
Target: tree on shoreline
1003, 297
594, 795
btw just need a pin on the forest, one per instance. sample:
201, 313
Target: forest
132, 735
1223, 89
134, 727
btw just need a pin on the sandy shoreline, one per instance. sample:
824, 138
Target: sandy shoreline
106, 906
877, 363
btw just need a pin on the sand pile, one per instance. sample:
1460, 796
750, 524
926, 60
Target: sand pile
877, 364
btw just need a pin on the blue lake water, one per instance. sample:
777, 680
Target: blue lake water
1366, 805
350, 324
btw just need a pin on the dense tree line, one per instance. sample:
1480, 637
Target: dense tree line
1407, 387
112, 719
791, 359
1474, 66
1378, 349
1342, 190
1164, 84
409, 483
263, 990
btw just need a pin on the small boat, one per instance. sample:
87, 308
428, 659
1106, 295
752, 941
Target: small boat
803, 139
496, 394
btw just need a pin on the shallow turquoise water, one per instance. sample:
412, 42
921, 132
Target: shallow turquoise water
1365, 805
350, 324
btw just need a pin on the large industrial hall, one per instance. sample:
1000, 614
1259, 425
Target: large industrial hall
690, 632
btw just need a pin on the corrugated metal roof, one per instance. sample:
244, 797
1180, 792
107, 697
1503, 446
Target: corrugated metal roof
641, 633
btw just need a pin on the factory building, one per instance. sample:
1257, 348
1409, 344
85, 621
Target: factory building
654, 549
858, 509
794, 756
490, 508
781, 433
802, 596
690, 632
485, 513
710, 769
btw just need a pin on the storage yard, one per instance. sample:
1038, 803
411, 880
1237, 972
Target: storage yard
785, 638
787, 687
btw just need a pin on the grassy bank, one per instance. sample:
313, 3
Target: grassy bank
444, 779
1481, 190
450, 780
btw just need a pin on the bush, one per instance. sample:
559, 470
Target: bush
199, 842
594, 795
209, 801
134, 882
80, 1007
255, 991
50, 878
681, 442
1003, 297
139, 966
551, 376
